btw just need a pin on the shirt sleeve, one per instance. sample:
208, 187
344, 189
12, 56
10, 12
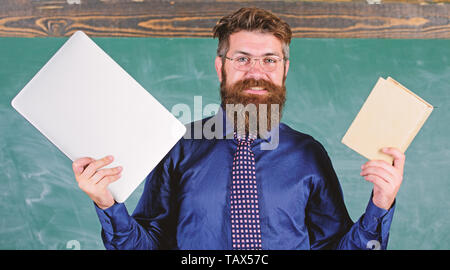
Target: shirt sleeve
378, 219
371, 231
148, 227
328, 222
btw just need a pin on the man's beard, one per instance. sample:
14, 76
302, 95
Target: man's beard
273, 100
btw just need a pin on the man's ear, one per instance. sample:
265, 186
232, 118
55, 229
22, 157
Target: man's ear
218, 64
287, 68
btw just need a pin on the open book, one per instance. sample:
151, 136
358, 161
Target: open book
391, 116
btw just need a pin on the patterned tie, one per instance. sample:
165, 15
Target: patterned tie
245, 226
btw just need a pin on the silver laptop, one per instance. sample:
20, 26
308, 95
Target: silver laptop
87, 105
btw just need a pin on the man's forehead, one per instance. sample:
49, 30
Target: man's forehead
255, 43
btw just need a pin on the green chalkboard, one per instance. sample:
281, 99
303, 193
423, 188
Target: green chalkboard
41, 206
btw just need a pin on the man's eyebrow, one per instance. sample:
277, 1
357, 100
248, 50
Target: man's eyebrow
242, 52
249, 54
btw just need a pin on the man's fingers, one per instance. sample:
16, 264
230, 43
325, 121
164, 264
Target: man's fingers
399, 157
379, 172
383, 165
105, 181
94, 166
377, 181
100, 174
79, 165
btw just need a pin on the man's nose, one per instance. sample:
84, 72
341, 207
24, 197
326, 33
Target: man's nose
256, 71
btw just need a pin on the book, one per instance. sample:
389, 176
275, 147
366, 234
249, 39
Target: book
391, 116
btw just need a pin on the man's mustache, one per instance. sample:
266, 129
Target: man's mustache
249, 83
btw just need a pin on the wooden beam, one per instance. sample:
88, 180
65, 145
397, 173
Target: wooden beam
195, 18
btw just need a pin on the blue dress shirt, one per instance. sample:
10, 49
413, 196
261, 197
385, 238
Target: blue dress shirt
185, 203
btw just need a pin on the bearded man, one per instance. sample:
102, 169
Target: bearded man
227, 192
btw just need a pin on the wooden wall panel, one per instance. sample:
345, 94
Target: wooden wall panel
195, 18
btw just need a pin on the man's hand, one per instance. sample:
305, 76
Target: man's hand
386, 178
94, 181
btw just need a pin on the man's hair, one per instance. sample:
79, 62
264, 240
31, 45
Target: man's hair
251, 19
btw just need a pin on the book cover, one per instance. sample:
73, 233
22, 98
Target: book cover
391, 116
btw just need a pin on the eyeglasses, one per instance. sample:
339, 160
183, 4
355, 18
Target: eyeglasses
245, 63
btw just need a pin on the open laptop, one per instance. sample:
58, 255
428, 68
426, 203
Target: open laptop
87, 105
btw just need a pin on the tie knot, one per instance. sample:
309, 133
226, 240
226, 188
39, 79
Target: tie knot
244, 138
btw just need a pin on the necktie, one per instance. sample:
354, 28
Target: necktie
245, 225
